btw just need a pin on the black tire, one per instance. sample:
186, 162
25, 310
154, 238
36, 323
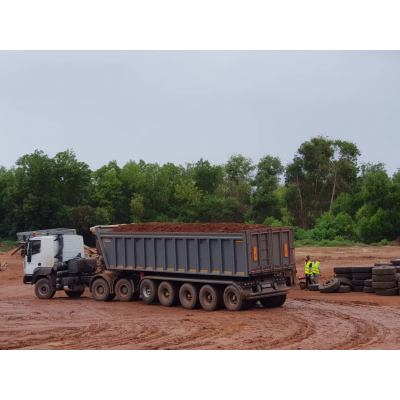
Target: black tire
149, 290
168, 294
345, 282
384, 285
43, 289
232, 298
345, 276
387, 292
369, 289
368, 283
342, 270
397, 277
272, 302
210, 297
312, 288
189, 296
362, 276
343, 289
302, 285
358, 270
74, 293
396, 263
357, 282
384, 271
101, 290
384, 278
124, 290
329, 286
358, 288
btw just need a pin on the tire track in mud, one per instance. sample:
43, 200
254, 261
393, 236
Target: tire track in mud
299, 324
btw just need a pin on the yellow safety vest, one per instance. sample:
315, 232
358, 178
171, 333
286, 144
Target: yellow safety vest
315, 268
308, 267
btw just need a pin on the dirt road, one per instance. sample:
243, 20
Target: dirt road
308, 320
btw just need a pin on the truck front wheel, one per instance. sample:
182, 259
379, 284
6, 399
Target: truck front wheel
43, 289
101, 291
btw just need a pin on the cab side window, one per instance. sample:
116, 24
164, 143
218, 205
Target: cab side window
35, 247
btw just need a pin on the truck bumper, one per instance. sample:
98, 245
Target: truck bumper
277, 290
28, 279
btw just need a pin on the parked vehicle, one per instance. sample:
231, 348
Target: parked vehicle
207, 269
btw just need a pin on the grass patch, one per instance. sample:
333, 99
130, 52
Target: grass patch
331, 243
7, 245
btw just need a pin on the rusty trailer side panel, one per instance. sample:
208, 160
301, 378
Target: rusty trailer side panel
270, 250
215, 254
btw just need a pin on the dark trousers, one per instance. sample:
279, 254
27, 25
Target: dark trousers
308, 280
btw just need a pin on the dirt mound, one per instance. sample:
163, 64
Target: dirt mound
167, 227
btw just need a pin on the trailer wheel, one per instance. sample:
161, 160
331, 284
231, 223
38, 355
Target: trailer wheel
232, 299
124, 290
101, 290
168, 294
210, 297
149, 290
43, 289
272, 302
74, 293
189, 296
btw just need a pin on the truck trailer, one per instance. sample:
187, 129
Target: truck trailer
211, 270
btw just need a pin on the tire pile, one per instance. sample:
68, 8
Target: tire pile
382, 279
385, 280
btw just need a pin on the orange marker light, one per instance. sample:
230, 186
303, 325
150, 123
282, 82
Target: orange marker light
286, 250
255, 254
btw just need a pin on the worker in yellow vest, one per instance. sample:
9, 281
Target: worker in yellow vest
308, 270
315, 271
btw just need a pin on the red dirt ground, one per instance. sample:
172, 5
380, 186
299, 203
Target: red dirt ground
167, 227
308, 320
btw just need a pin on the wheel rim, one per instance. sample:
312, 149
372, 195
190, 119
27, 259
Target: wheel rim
147, 291
99, 290
124, 290
232, 298
44, 289
208, 297
166, 293
188, 296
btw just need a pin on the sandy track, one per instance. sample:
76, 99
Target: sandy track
63, 323
308, 320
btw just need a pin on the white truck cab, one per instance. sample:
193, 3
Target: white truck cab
41, 251
55, 260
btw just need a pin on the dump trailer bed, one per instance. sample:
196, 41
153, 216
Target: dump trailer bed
237, 255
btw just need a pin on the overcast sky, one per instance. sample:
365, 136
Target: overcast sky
181, 106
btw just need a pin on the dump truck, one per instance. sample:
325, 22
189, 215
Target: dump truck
211, 270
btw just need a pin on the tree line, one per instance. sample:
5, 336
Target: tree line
324, 192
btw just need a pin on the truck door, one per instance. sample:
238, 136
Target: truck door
33, 258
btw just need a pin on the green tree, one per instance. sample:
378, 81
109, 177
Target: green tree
264, 200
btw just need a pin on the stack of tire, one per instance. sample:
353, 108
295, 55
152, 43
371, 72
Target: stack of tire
362, 279
385, 280
345, 277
